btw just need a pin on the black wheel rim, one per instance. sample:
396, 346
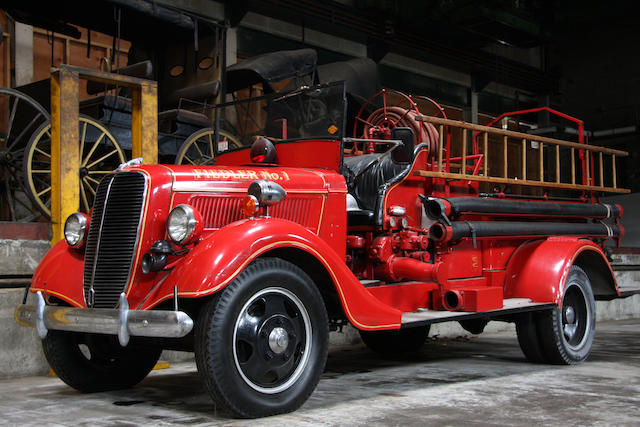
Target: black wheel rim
272, 340
576, 315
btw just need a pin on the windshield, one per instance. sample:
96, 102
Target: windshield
311, 113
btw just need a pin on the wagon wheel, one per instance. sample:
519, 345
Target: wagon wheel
393, 109
198, 149
20, 116
100, 154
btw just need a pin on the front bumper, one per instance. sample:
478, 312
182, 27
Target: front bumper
122, 322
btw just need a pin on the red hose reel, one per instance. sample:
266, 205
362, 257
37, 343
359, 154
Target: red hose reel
398, 110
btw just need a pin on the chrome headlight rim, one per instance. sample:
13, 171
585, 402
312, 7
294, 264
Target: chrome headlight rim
182, 232
75, 229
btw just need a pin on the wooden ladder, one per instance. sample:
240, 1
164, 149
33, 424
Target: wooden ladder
459, 168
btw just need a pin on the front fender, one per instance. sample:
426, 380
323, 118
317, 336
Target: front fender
60, 274
216, 261
538, 269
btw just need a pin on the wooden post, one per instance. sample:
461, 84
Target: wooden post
486, 154
65, 181
557, 163
541, 160
464, 152
613, 169
504, 156
524, 158
144, 128
587, 160
573, 166
440, 147
600, 160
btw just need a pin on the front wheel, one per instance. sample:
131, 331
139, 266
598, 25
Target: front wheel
563, 335
261, 344
91, 363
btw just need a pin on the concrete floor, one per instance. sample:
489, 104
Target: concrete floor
484, 380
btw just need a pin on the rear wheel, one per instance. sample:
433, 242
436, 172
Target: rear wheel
91, 363
261, 344
395, 341
527, 330
563, 335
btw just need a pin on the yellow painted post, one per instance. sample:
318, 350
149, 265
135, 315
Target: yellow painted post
65, 182
144, 122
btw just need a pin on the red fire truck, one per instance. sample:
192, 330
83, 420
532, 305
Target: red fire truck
251, 261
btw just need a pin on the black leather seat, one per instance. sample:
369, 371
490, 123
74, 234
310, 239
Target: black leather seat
367, 174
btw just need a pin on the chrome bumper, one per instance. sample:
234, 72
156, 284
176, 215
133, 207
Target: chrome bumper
122, 322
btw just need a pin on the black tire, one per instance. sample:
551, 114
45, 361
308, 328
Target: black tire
527, 330
566, 334
396, 341
562, 336
91, 363
261, 344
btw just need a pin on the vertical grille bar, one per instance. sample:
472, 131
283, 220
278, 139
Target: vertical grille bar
113, 237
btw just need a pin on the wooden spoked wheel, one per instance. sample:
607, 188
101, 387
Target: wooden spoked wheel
20, 116
199, 148
100, 154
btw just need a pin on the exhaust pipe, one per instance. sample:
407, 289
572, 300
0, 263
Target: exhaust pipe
452, 301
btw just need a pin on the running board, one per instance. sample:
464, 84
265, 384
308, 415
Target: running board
628, 291
424, 317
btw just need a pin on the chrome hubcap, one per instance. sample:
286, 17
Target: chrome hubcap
272, 340
278, 340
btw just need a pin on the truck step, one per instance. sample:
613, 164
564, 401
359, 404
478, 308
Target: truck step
509, 306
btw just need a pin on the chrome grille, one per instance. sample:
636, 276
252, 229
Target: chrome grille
112, 239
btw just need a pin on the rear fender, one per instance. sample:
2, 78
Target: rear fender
218, 260
538, 269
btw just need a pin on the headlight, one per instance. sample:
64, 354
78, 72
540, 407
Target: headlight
75, 228
183, 224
